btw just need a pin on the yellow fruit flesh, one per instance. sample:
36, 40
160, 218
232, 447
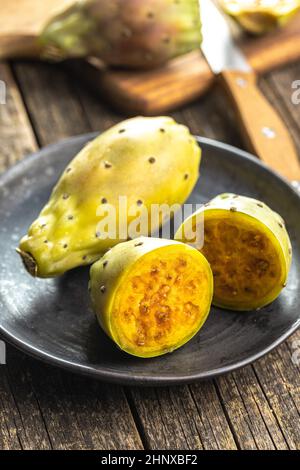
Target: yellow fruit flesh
259, 16
246, 260
162, 302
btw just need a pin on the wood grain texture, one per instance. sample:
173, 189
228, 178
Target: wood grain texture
265, 133
48, 408
17, 137
176, 418
42, 407
249, 412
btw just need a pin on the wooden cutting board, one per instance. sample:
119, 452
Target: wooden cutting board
145, 92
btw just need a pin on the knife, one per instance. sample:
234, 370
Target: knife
265, 134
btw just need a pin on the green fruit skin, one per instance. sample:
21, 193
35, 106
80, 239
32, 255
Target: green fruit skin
263, 215
135, 33
110, 272
64, 234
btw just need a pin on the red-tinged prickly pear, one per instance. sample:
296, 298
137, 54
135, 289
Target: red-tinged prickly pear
131, 33
151, 295
146, 161
248, 248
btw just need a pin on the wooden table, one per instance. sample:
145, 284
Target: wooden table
42, 407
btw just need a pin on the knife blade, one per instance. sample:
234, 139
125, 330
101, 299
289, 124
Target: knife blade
265, 133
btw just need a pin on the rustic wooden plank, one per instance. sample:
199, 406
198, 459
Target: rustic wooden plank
280, 380
175, 418
8, 427
53, 111
54, 409
21, 421
29, 423
82, 413
249, 412
17, 138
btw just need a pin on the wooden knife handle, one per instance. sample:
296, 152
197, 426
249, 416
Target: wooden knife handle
265, 133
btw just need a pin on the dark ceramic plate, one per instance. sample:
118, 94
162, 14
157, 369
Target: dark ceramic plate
52, 320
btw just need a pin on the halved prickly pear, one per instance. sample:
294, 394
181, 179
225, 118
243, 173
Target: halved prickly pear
261, 16
248, 248
131, 33
119, 175
151, 295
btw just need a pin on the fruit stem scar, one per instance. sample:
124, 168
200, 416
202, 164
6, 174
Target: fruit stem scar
28, 261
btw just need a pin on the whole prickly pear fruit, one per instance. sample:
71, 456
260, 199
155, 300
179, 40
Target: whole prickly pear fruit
130, 167
248, 248
258, 17
131, 33
151, 295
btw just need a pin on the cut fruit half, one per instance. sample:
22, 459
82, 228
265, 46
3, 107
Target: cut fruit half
261, 16
249, 251
151, 296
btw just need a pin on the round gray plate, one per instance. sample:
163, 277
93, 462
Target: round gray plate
51, 319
